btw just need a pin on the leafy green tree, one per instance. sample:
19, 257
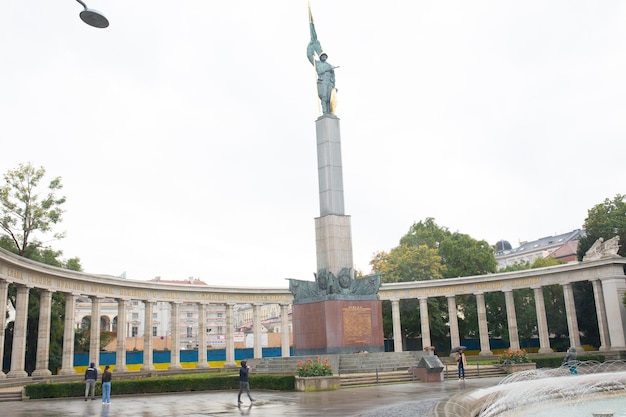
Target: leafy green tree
406, 263
605, 220
27, 213
25, 209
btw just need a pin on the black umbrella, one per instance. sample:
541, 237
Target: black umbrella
456, 349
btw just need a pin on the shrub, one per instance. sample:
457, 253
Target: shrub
514, 356
160, 384
314, 368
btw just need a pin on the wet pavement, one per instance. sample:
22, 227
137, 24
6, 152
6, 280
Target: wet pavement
413, 399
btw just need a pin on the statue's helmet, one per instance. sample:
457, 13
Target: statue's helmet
323, 53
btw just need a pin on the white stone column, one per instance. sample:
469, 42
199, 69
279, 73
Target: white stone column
18, 353
453, 318
67, 362
230, 336
202, 337
603, 326
94, 334
424, 320
258, 347
542, 321
4, 294
397, 326
148, 362
120, 352
43, 334
613, 288
483, 327
284, 328
511, 319
175, 330
572, 320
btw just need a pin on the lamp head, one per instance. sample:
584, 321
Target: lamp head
93, 17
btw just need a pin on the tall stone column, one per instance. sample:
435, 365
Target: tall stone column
202, 338
258, 346
175, 329
94, 334
603, 326
572, 320
542, 321
424, 320
284, 326
333, 232
230, 336
18, 353
120, 352
148, 362
453, 319
397, 326
43, 334
511, 319
613, 289
4, 293
67, 362
483, 327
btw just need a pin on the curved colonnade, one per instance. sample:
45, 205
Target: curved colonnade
25, 274
607, 275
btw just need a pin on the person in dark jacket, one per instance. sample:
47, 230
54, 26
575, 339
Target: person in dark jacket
91, 374
243, 381
106, 386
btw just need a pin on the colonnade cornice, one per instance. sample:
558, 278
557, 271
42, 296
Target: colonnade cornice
24, 272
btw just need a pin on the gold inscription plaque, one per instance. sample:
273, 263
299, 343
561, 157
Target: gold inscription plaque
357, 325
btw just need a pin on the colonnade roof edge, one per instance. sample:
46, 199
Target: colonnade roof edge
22, 271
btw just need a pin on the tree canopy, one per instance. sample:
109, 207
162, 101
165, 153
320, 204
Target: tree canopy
605, 220
26, 209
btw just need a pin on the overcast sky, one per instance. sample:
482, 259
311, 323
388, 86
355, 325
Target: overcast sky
185, 132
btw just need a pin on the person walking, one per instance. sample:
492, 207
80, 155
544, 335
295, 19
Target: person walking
243, 381
571, 361
461, 364
106, 386
91, 375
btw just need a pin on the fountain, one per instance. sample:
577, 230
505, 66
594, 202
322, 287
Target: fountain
533, 392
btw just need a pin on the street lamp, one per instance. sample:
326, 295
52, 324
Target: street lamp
93, 17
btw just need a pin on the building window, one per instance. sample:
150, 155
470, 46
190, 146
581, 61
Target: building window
189, 331
134, 331
154, 331
189, 315
220, 330
135, 316
220, 315
155, 315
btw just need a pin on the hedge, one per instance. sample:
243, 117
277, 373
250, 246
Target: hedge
155, 385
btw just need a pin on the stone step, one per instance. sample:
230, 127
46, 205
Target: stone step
352, 380
6, 396
480, 371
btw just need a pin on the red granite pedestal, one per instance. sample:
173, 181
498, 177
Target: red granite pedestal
337, 326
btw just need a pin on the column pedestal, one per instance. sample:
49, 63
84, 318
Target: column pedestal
337, 326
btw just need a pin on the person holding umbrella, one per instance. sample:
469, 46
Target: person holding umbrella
461, 362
